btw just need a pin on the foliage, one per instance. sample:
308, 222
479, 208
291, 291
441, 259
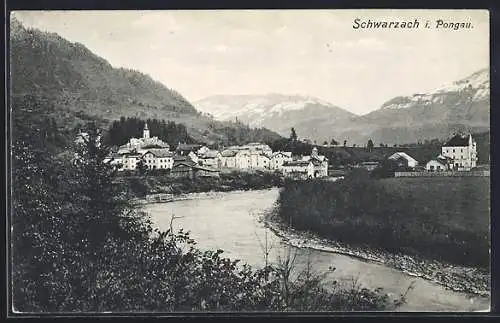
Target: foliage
122, 130
80, 245
445, 220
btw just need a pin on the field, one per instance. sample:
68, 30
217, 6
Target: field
446, 219
458, 202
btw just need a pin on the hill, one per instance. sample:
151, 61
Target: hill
81, 85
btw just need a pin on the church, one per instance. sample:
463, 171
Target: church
154, 152
141, 145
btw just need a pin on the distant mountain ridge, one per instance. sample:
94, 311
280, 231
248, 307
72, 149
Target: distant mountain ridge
274, 111
80, 84
463, 105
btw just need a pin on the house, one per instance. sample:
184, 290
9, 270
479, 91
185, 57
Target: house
298, 169
313, 166
404, 160
440, 163
210, 158
129, 161
243, 159
320, 163
203, 150
189, 169
263, 161
183, 169
158, 159
278, 158
185, 149
228, 158
462, 150
254, 147
259, 147
193, 156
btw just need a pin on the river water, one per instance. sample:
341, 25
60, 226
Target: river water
229, 221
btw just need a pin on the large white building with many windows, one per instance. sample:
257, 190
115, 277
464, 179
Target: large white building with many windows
462, 150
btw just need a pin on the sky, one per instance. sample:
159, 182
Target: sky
308, 52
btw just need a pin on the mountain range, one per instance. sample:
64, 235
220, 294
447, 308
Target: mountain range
80, 85
462, 105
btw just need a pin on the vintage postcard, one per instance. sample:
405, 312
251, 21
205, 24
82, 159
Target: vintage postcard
249, 161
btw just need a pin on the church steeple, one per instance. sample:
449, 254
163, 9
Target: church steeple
145, 133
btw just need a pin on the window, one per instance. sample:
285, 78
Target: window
453, 150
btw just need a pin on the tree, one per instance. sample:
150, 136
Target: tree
382, 144
333, 142
141, 167
369, 145
345, 143
325, 143
293, 135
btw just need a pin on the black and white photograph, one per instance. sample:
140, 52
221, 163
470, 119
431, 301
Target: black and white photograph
249, 161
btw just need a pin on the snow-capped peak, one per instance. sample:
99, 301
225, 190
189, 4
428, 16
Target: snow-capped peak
476, 85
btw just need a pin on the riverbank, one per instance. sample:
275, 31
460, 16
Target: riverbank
161, 184
168, 198
457, 278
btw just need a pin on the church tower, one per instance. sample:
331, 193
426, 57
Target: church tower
314, 152
145, 133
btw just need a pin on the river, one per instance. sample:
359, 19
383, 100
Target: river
229, 221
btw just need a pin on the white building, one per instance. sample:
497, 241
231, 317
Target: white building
243, 159
279, 157
158, 159
228, 158
298, 169
254, 147
129, 161
402, 156
313, 166
462, 150
439, 164
210, 158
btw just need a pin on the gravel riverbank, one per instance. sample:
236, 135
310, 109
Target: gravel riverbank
457, 278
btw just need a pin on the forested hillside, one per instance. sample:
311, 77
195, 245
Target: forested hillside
80, 85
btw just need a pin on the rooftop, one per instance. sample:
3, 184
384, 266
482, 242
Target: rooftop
160, 152
459, 140
188, 147
296, 163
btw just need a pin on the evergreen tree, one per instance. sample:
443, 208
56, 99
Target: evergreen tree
293, 135
369, 145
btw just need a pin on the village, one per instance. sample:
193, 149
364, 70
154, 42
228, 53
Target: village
148, 153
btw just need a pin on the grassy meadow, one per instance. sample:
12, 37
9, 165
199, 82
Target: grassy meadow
446, 219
